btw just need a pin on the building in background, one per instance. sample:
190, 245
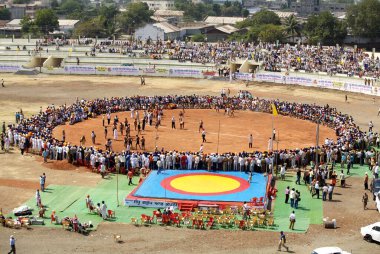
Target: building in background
157, 4
158, 31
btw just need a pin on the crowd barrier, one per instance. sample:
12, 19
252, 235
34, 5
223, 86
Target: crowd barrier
330, 82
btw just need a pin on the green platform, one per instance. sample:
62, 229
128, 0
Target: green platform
70, 201
310, 210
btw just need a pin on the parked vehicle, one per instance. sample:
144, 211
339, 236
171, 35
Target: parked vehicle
371, 232
329, 250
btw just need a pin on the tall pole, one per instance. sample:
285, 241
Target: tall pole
271, 144
117, 186
217, 147
317, 144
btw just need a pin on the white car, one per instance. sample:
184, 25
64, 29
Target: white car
371, 232
329, 250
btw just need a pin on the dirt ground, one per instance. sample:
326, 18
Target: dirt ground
233, 136
19, 174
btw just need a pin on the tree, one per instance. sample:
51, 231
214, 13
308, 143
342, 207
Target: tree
26, 23
325, 28
364, 18
137, 14
292, 26
28, 26
71, 6
91, 28
46, 20
271, 33
262, 17
5, 14
199, 38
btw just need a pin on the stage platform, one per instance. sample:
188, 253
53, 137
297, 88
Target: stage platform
173, 187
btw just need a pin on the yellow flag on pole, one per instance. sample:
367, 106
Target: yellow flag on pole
274, 110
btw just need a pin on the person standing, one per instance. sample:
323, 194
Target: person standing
38, 198
12, 243
366, 181
173, 122
204, 136
316, 187
103, 210
115, 133
282, 242
250, 140
130, 176
142, 143
105, 132
298, 181
93, 137
201, 125
292, 219
330, 191
42, 181
287, 192
324, 192
292, 197
365, 201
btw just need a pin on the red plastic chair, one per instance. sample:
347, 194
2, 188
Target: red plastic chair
242, 224
210, 223
165, 219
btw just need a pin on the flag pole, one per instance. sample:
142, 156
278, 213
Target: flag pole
317, 144
217, 147
271, 145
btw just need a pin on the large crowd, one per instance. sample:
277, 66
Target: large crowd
352, 62
34, 135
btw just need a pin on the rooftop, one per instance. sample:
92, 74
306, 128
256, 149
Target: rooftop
168, 28
223, 20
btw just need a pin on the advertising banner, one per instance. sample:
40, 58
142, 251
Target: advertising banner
185, 73
9, 68
78, 69
152, 204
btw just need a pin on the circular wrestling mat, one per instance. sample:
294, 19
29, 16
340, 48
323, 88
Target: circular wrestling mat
204, 184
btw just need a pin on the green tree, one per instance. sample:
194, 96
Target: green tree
364, 18
271, 33
199, 38
71, 6
262, 17
46, 20
137, 14
28, 26
26, 23
5, 14
325, 29
292, 27
91, 28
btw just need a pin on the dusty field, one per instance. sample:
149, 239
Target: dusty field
234, 131
19, 175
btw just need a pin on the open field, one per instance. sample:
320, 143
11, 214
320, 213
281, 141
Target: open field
19, 175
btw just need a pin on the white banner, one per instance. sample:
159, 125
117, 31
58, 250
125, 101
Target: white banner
123, 70
185, 73
9, 68
152, 204
79, 69
244, 76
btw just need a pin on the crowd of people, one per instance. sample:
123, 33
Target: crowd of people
34, 135
273, 57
